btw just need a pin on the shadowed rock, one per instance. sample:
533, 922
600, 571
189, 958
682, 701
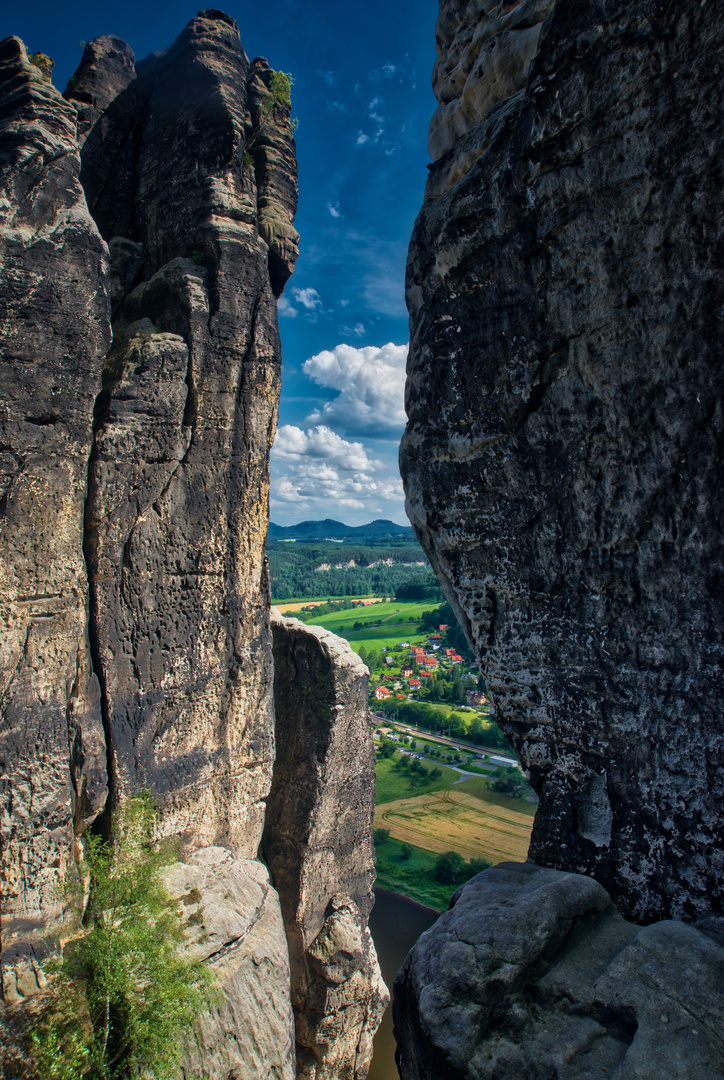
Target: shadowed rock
565, 297
54, 332
318, 845
533, 974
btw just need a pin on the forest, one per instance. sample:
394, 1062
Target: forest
307, 569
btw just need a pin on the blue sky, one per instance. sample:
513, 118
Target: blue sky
363, 99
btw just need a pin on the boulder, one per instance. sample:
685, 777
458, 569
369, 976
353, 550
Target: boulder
533, 974
234, 925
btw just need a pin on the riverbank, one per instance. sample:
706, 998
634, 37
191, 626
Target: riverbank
408, 871
396, 923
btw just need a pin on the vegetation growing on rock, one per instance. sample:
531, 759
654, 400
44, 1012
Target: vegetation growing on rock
123, 992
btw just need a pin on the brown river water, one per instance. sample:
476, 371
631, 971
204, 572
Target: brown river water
395, 924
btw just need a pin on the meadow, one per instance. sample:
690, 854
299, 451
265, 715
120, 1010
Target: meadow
394, 621
406, 869
393, 785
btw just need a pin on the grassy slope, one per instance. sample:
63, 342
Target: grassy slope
398, 622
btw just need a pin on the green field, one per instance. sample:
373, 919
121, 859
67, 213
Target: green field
412, 876
393, 785
397, 621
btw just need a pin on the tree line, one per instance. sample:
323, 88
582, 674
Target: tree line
476, 731
294, 569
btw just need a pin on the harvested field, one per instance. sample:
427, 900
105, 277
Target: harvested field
456, 820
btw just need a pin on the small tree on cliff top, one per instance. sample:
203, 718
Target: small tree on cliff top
123, 993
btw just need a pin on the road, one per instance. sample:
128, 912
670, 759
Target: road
461, 743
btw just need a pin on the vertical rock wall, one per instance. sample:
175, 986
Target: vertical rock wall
318, 845
136, 649
178, 490
54, 333
565, 292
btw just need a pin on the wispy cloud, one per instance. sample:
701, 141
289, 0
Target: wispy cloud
285, 309
362, 138
308, 298
358, 330
334, 210
387, 71
370, 382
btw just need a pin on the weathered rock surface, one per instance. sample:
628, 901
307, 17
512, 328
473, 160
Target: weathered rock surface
54, 332
177, 502
318, 845
557, 984
484, 53
565, 300
234, 924
148, 662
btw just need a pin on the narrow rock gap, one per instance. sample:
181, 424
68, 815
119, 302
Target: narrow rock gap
102, 825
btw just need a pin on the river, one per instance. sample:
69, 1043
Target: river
395, 924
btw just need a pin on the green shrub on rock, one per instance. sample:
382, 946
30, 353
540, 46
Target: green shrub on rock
123, 993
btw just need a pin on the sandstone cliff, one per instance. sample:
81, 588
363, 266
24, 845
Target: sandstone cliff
565, 291
154, 203
54, 333
318, 845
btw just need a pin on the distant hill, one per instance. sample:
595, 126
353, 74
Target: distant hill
336, 530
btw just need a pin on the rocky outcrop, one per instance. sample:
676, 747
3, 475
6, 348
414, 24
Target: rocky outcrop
234, 925
318, 845
557, 984
54, 333
564, 286
177, 502
136, 649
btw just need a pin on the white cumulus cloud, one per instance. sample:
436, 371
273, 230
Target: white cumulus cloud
318, 469
371, 385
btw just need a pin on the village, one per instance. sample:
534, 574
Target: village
411, 670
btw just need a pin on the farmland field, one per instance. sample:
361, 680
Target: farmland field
397, 620
466, 818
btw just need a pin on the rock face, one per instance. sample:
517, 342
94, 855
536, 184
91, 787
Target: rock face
318, 845
565, 291
177, 501
557, 984
148, 662
136, 646
54, 333
235, 926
